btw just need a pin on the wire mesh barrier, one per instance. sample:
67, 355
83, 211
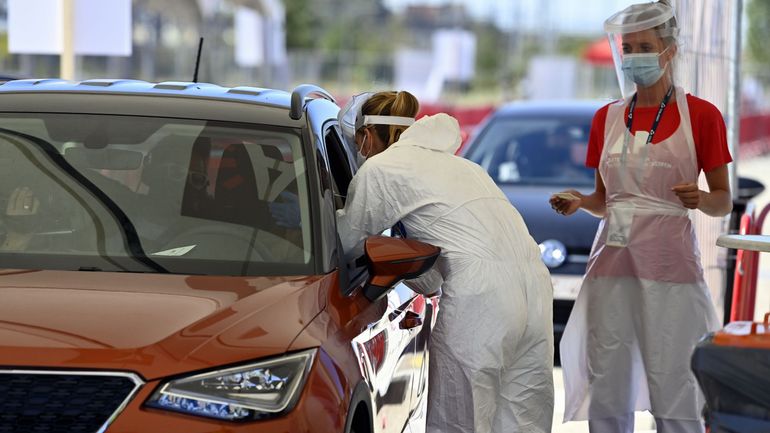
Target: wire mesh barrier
708, 67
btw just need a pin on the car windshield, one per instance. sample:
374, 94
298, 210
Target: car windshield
535, 150
146, 194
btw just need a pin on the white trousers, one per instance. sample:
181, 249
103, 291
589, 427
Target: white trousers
625, 424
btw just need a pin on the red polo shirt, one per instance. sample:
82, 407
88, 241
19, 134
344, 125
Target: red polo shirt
708, 129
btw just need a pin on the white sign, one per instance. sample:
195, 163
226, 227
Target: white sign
101, 27
34, 26
275, 32
416, 73
551, 77
454, 53
249, 39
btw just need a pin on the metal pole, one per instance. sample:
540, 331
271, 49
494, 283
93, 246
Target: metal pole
733, 138
734, 92
67, 57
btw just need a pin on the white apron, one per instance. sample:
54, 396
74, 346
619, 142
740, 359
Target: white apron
644, 303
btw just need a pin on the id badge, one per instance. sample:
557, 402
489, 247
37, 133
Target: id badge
640, 142
619, 219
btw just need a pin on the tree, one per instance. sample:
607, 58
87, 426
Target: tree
758, 12
490, 55
301, 24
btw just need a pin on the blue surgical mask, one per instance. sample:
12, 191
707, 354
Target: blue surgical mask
643, 69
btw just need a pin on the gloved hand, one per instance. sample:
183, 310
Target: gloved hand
22, 202
286, 212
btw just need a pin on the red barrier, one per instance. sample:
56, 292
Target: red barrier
747, 268
754, 135
754, 129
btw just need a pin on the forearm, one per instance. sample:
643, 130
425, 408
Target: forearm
428, 284
717, 203
595, 204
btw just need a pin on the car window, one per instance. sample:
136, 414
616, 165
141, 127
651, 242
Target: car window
535, 150
339, 165
126, 193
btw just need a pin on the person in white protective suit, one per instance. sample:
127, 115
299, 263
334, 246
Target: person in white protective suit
491, 357
644, 303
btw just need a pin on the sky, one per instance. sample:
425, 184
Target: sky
572, 16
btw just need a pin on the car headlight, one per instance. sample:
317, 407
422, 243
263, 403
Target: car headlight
246, 392
553, 253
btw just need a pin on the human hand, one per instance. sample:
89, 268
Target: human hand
688, 194
286, 213
22, 202
566, 202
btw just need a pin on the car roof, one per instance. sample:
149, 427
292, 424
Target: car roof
136, 97
255, 95
551, 107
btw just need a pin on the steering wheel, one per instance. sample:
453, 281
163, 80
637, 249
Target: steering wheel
233, 241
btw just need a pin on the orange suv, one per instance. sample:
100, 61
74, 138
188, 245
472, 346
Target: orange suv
170, 263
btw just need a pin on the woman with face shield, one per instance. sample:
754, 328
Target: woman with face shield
491, 351
644, 303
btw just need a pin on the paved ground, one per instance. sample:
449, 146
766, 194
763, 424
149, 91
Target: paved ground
644, 421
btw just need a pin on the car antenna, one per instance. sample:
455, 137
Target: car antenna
198, 60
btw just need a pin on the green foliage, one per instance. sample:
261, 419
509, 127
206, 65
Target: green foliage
758, 12
490, 54
573, 46
301, 24
3, 45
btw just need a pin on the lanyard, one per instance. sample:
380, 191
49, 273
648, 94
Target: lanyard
655, 124
629, 123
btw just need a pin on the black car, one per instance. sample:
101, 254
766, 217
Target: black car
532, 150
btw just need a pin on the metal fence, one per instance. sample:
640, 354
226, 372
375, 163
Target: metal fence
709, 68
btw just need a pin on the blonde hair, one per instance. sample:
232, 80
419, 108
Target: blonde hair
391, 104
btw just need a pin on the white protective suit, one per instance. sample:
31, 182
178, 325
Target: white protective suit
644, 304
492, 348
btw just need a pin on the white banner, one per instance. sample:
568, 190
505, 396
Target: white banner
34, 26
249, 37
102, 27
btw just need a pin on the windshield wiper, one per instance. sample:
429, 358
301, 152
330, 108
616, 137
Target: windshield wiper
130, 237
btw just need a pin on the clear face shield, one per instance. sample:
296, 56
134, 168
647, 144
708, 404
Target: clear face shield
352, 119
643, 39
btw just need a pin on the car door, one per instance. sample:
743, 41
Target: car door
388, 346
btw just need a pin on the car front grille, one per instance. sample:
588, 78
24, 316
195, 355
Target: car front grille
62, 402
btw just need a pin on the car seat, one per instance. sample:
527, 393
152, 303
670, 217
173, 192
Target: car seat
236, 195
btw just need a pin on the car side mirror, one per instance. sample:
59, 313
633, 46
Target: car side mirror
392, 260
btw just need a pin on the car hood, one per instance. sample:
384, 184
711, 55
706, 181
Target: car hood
155, 325
576, 231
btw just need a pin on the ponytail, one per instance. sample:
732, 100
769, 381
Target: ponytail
402, 104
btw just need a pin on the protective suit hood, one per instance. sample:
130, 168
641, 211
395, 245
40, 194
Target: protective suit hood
440, 132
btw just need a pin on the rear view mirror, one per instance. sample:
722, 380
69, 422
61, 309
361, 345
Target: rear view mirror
392, 260
104, 159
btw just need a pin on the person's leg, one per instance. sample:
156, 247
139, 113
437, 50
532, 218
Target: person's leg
675, 318
450, 399
526, 398
622, 424
486, 390
678, 426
